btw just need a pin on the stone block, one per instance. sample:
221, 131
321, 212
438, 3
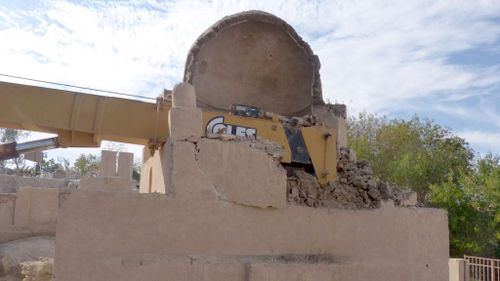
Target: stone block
242, 174
185, 123
333, 116
325, 115
38, 270
125, 165
36, 206
183, 95
342, 133
107, 184
108, 163
409, 199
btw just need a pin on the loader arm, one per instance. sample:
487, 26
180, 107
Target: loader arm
83, 120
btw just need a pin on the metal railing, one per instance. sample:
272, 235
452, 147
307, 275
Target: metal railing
482, 269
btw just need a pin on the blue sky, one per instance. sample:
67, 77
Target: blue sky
437, 59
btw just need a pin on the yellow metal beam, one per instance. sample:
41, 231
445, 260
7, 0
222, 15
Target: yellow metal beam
320, 142
82, 120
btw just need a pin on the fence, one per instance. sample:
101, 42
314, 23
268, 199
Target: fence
481, 269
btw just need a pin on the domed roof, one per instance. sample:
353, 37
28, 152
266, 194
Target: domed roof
254, 58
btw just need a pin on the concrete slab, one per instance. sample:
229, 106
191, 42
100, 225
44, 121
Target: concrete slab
108, 163
125, 165
36, 206
242, 174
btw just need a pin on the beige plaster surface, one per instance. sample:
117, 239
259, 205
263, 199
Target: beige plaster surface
108, 163
36, 206
9, 184
154, 229
242, 174
191, 120
120, 236
30, 212
125, 165
107, 184
203, 225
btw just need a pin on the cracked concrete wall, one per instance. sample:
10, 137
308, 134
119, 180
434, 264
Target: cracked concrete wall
208, 226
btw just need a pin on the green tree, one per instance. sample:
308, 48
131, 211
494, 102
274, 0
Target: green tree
414, 154
86, 165
59, 168
473, 202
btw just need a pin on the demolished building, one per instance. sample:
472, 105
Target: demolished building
221, 202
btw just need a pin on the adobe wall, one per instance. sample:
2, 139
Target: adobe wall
124, 236
29, 206
222, 214
29, 212
10, 184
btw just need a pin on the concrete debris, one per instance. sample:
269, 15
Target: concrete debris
28, 257
355, 187
38, 270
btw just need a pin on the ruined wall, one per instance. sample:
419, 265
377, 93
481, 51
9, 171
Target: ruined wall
195, 236
29, 206
10, 184
29, 212
223, 216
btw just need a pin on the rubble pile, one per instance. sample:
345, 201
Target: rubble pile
355, 187
40, 269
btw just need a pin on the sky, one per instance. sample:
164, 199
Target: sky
437, 59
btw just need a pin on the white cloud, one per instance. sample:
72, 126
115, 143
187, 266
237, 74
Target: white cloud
487, 141
375, 55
